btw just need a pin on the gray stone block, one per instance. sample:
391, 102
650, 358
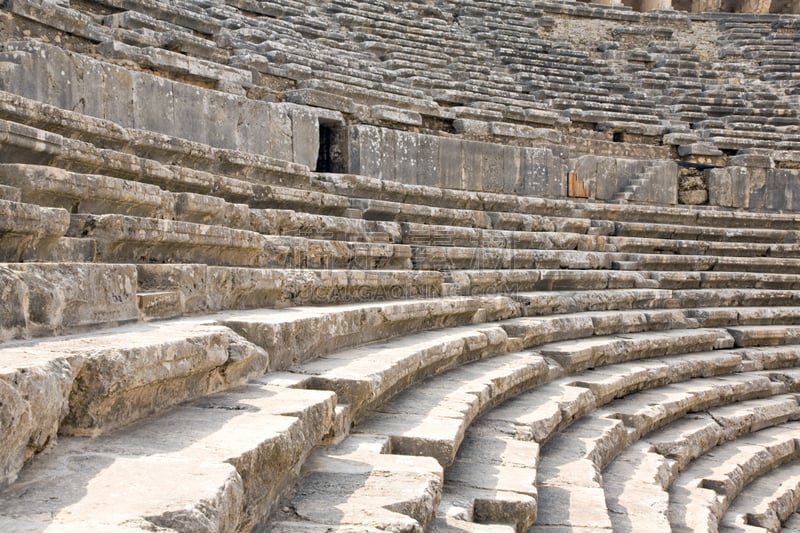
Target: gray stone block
451, 163
406, 156
543, 173
305, 134
428, 162
729, 187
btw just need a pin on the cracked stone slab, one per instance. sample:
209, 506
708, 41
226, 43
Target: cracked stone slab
216, 464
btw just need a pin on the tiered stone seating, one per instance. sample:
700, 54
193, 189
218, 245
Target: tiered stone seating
198, 332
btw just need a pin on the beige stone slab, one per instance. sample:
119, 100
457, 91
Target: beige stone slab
684, 440
545, 303
768, 501
448, 524
300, 334
46, 299
219, 463
364, 376
27, 226
366, 489
577, 454
765, 335
572, 507
771, 357
704, 491
86, 193
483, 445
634, 486
486, 506
91, 384
598, 351
431, 418
537, 414
754, 415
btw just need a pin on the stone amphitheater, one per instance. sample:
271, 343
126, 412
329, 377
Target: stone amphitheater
352, 266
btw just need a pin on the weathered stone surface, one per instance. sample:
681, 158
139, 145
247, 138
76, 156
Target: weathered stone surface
702, 494
56, 298
286, 334
432, 420
366, 490
90, 385
365, 377
26, 227
222, 464
77, 193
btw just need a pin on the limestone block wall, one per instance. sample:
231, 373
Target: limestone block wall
754, 187
135, 99
605, 177
456, 163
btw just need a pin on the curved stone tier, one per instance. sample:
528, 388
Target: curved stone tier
357, 266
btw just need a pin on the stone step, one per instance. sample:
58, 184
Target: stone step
353, 488
568, 477
716, 220
28, 230
94, 383
366, 377
641, 245
78, 296
220, 464
488, 281
636, 482
560, 239
452, 524
456, 258
101, 140
557, 302
766, 503
701, 495
765, 335
124, 238
159, 305
79, 193
646, 411
580, 354
591, 443
492, 481
226, 288
640, 261
290, 335
114, 383
572, 396
431, 418
723, 280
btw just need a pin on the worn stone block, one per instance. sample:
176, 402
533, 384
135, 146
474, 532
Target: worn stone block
451, 163
406, 156
729, 187
428, 162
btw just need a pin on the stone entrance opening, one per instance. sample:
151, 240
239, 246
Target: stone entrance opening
332, 147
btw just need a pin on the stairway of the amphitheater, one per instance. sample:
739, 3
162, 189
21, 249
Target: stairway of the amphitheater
382, 392
364, 54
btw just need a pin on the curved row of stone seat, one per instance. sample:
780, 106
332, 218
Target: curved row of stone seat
94, 384
700, 496
430, 420
577, 500
766, 503
260, 328
186, 202
633, 489
382, 56
352, 191
216, 464
637, 481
